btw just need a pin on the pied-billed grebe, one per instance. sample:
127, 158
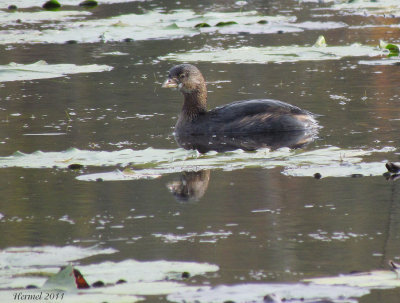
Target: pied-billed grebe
237, 119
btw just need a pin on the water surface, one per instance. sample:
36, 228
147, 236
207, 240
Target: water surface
257, 224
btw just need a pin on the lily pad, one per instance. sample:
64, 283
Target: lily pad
156, 25
63, 280
36, 3
379, 279
141, 278
289, 292
320, 42
392, 48
203, 24
20, 17
330, 161
225, 23
51, 5
43, 70
19, 265
263, 55
368, 7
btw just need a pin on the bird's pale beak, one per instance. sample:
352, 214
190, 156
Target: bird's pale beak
170, 83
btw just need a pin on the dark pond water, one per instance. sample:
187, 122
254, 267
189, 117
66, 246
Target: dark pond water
257, 223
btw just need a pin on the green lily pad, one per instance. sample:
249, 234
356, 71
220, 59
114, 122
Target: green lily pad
392, 48
203, 24
51, 5
225, 23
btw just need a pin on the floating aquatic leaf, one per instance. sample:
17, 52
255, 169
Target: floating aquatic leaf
367, 7
320, 42
142, 271
17, 257
63, 280
225, 23
370, 280
43, 70
330, 161
140, 278
40, 16
19, 264
203, 24
290, 292
392, 48
36, 3
394, 60
51, 5
155, 25
274, 54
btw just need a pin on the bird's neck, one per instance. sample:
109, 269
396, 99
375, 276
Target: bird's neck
195, 103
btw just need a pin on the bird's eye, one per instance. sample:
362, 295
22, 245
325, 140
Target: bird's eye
181, 76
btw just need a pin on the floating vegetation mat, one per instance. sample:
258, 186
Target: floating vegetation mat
388, 8
123, 281
277, 54
152, 163
51, 271
63, 26
43, 70
39, 3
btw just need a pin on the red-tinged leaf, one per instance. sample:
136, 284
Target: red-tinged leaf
80, 280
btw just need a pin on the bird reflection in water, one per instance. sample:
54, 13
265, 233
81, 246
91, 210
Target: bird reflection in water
248, 142
193, 185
